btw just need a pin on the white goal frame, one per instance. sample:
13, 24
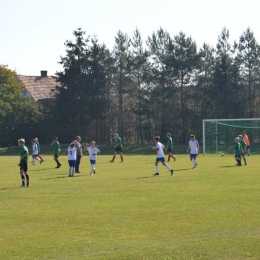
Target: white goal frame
219, 120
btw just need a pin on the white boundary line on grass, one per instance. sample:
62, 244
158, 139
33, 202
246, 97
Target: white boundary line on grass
158, 244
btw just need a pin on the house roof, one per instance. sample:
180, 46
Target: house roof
38, 87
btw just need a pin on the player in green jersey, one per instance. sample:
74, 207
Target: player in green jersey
24, 163
118, 148
169, 147
243, 148
56, 146
238, 151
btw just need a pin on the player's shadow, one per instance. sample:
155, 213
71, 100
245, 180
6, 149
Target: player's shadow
61, 177
185, 169
230, 166
10, 188
36, 170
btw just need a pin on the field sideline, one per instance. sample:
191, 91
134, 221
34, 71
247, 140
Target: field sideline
124, 212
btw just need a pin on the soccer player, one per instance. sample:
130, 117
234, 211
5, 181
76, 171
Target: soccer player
24, 163
39, 149
72, 157
34, 152
169, 147
243, 148
160, 156
246, 139
93, 152
193, 148
56, 146
238, 151
79, 153
118, 148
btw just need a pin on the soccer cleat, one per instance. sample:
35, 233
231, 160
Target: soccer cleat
111, 161
77, 171
22, 186
41, 161
28, 185
157, 173
91, 173
172, 172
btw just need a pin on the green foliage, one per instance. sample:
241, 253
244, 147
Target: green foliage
83, 92
18, 115
124, 212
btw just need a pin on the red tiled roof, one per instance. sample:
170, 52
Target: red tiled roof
38, 87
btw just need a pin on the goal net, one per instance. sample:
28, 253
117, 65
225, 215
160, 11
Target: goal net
219, 134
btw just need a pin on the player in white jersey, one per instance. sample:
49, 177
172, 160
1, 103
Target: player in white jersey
160, 156
72, 156
93, 152
35, 152
193, 147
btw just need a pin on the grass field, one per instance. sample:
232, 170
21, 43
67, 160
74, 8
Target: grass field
124, 212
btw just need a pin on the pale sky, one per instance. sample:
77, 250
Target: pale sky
33, 32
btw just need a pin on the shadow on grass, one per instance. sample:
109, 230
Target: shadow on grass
36, 170
10, 188
229, 166
61, 177
185, 169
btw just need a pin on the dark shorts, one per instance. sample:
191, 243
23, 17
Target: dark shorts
72, 163
169, 150
193, 155
23, 165
92, 161
118, 149
161, 159
35, 155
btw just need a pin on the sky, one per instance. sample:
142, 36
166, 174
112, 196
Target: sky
33, 32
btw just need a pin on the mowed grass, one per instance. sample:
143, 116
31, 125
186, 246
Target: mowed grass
124, 212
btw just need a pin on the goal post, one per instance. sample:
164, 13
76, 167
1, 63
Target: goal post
219, 134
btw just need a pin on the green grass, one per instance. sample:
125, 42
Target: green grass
124, 212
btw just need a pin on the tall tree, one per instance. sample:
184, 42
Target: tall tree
121, 77
186, 66
161, 49
100, 66
139, 73
249, 65
205, 82
222, 75
72, 93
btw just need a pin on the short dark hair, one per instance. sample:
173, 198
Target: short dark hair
192, 136
157, 138
169, 134
55, 138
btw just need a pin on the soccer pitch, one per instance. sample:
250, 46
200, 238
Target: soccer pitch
124, 212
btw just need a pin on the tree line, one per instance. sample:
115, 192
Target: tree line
145, 88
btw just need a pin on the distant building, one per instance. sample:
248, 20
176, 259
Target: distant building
39, 88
